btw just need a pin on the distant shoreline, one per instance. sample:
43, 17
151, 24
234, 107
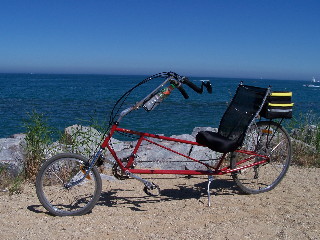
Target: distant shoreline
146, 75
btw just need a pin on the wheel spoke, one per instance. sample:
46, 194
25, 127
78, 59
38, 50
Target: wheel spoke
275, 147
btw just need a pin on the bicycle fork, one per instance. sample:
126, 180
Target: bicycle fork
85, 171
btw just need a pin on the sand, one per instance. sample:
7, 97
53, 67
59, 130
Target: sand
124, 211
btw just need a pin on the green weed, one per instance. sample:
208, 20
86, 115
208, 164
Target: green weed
9, 183
305, 133
38, 137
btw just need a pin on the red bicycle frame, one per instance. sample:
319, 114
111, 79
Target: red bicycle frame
127, 167
212, 170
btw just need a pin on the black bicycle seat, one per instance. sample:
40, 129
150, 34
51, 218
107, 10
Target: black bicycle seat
216, 142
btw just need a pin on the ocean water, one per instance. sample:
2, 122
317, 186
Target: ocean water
81, 99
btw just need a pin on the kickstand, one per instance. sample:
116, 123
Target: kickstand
210, 180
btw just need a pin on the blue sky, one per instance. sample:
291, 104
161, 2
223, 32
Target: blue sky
241, 38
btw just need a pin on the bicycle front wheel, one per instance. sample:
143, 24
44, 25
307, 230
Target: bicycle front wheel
60, 200
269, 139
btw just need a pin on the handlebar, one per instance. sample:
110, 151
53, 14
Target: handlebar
195, 88
158, 94
184, 80
183, 92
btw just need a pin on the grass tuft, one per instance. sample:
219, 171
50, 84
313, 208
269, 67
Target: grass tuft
305, 135
38, 137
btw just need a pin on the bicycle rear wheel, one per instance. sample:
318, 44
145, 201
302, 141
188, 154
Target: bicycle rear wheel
265, 138
56, 197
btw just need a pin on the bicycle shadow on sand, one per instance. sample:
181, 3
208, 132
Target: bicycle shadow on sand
178, 192
183, 191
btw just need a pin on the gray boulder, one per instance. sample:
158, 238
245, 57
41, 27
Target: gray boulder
153, 156
12, 154
85, 140
82, 139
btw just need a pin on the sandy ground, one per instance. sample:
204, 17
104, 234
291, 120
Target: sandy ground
290, 211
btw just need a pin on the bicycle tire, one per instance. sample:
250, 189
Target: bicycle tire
265, 138
59, 200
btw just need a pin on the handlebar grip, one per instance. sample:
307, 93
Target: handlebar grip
183, 92
196, 88
192, 85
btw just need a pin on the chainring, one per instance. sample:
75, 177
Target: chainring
118, 173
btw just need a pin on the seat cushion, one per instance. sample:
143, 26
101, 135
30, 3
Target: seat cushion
216, 142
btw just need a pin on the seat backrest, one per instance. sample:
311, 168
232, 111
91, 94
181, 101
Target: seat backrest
242, 110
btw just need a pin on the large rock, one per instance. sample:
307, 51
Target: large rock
199, 129
153, 156
85, 140
11, 153
82, 139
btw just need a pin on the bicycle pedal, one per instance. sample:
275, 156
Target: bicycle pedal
149, 189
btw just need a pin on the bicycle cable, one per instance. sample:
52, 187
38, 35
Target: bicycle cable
120, 102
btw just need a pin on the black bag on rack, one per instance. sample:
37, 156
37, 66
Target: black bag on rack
278, 105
